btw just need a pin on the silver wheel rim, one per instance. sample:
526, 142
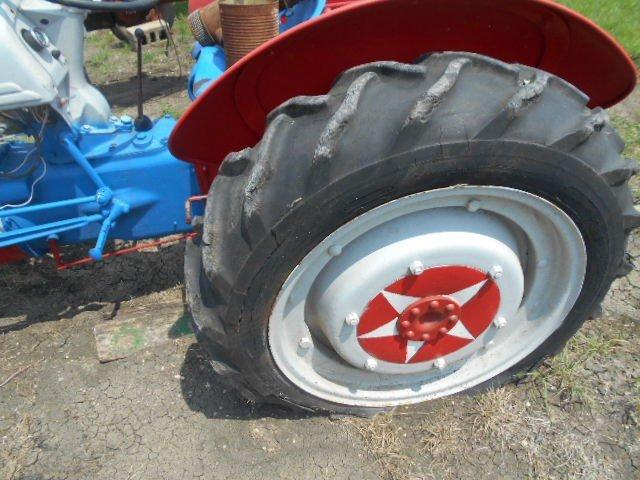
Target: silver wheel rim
526, 248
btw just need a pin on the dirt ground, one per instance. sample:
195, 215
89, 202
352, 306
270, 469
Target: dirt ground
160, 414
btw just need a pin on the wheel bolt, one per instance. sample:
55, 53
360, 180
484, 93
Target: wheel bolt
426, 337
405, 323
352, 319
305, 343
500, 322
440, 363
473, 205
496, 272
410, 334
444, 330
335, 250
450, 308
434, 304
416, 267
415, 311
371, 364
453, 318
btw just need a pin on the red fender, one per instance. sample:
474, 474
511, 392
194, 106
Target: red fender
306, 60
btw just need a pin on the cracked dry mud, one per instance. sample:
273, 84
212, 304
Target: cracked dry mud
161, 414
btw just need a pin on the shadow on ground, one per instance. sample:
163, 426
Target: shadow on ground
123, 93
206, 392
36, 292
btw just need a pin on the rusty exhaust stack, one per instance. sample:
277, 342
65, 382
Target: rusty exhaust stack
247, 24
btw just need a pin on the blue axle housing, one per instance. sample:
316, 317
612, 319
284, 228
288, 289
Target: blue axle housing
115, 180
86, 184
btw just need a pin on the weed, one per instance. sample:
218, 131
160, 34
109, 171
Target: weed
382, 439
566, 377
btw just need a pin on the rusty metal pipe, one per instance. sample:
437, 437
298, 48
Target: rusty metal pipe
250, 23
247, 24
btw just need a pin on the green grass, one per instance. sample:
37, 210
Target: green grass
565, 377
630, 131
619, 17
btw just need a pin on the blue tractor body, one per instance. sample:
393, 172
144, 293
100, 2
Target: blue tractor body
93, 183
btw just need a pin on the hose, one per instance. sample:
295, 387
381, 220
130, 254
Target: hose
102, 6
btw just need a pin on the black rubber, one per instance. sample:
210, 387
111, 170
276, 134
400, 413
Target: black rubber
387, 130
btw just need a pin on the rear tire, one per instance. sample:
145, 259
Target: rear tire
387, 131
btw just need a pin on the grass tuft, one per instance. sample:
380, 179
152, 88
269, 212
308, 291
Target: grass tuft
619, 17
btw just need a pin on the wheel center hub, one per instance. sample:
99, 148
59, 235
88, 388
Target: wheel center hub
429, 318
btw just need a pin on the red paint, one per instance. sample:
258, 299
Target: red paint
62, 265
188, 207
11, 255
306, 60
429, 318
435, 314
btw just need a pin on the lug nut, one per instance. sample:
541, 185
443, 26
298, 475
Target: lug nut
450, 308
473, 205
434, 304
415, 311
426, 337
305, 343
371, 364
496, 272
453, 318
416, 267
440, 363
405, 323
335, 250
410, 334
500, 322
444, 330
352, 319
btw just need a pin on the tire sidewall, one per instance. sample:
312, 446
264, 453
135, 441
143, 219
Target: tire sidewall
562, 179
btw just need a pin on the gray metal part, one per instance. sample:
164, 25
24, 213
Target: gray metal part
30, 78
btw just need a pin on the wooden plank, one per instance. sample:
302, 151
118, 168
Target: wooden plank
136, 328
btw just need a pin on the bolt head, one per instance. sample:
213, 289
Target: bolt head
496, 272
426, 337
500, 322
371, 364
415, 311
450, 308
434, 304
473, 205
405, 323
416, 267
335, 250
305, 343
440, 363
444, 330
352, 319
453, 318
410, 334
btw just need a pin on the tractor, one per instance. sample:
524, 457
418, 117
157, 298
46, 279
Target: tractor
389, 202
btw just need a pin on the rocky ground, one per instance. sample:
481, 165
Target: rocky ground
160, 414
